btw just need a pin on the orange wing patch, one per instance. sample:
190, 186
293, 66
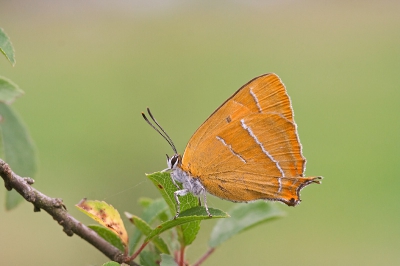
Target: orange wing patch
248, 149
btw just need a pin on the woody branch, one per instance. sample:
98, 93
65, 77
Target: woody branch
56, 208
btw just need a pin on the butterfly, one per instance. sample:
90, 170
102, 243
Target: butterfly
247, 149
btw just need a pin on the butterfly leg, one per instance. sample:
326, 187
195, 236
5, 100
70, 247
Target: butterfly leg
177, 193
205, 203
173, 181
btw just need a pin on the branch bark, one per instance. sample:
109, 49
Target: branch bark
56, 208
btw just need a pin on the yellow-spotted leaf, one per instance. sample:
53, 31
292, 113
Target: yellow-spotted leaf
106, 215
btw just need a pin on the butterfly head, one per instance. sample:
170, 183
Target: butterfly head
174, 162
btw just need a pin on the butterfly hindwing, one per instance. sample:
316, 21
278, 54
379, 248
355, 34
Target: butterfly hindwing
265, 164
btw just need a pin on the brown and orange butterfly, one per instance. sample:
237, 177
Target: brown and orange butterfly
248, 149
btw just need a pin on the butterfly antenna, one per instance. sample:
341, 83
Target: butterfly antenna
165, 135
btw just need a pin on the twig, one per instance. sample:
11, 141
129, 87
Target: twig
56, 208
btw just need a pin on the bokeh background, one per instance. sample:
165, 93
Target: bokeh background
90, 67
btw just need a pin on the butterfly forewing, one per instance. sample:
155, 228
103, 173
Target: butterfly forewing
267, 93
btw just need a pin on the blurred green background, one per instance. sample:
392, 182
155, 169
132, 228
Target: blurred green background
89, 68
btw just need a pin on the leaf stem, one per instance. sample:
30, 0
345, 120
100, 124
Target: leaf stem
131, 258
182, 256
204, 257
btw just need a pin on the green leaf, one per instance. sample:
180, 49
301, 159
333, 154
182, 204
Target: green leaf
9, 91
111, 263
195, 214
163, 216
167, 260
148, 258
146, 229
6, 47
152, 210
243, 217
201, 212
17, 148
110, 236
145, 202
163, 182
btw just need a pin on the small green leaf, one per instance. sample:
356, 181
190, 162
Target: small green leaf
167, 260
200, 211
146, 229
111, 263
243, 217
145, 202
9, 91
148, 258
6, 47
153, 209
106, 215
196, 214
18, 149
163, 182
110, 236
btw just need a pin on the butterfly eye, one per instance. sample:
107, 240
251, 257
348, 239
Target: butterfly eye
173, 162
